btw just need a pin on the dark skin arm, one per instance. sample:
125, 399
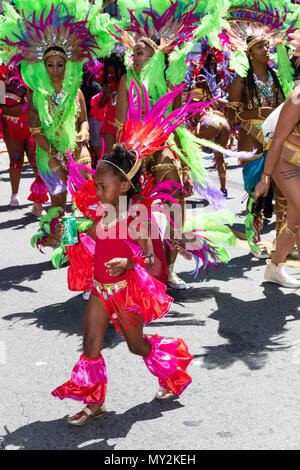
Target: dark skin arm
34, 122
107, 91
82, 121
122, 103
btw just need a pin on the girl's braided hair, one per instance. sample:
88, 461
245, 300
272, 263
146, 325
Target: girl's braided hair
125, 160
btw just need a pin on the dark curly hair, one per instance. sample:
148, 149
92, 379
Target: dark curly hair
125, 160
115, 60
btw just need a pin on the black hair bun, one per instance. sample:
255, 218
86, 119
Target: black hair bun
122, 152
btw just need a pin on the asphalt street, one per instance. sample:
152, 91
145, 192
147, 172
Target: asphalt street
244, 335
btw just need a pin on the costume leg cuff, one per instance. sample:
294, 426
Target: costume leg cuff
168, 360
88, 382
38, 191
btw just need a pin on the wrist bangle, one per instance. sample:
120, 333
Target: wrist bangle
266, 179
267, 174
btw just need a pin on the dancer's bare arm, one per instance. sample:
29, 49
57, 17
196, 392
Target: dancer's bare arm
122, 105
83, 125
35, 128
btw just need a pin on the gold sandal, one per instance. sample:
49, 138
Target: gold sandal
86, 415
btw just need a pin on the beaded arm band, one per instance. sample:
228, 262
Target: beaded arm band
35, 130
265, 179
235, 105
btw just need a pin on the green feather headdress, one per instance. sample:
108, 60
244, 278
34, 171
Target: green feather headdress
177, 26
272, 22
27, 33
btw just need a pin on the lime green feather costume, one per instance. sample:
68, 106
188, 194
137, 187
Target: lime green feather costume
75, 30
25, 36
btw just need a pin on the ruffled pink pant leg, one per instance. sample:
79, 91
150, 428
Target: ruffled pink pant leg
88, 382
168, 360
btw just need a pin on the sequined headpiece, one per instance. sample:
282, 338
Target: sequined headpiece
146, 131
262, 22
173, 27
38, 37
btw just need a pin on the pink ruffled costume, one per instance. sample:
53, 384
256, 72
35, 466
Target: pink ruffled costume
135, 293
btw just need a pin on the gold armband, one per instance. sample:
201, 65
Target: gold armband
259, 114
35, 130
233, 105
266, 179
240, 118
118, 124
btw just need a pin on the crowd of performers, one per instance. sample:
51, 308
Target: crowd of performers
117, 116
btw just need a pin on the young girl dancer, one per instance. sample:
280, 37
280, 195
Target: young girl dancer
125, 293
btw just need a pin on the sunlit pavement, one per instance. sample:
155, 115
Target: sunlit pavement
244, 335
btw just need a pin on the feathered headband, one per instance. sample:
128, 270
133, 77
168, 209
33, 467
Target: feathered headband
146, 130
263, 23
173, 27
58, 33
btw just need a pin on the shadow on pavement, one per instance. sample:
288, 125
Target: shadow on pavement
11, 277
7, 208
66, 317
58, 434
253, 329
20, 223
237, 268
268, 227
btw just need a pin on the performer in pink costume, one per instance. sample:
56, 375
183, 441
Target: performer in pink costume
124, 292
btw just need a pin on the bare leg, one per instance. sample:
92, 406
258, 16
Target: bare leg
96, 321
221, 166
286, 240
287, 178
97, 151
109, 142
219, 133
136, 342
280, 209
16, 157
